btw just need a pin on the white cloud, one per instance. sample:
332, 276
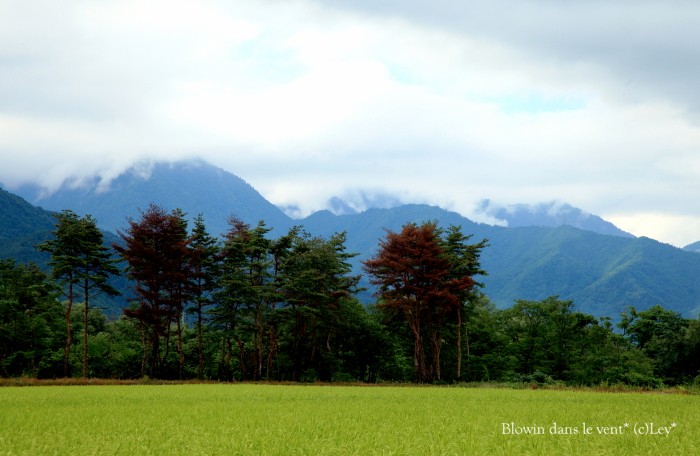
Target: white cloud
679, 230
589, 103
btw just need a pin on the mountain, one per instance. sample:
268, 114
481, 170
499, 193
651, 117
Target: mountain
694, 247
195, 186
22, 226
551, 214
602, 274
361, 201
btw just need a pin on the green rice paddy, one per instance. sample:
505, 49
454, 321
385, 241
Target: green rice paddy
230, 419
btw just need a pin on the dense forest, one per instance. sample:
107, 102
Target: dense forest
252, 307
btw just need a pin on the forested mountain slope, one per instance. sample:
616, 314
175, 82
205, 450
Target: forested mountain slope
22, 226
603, 274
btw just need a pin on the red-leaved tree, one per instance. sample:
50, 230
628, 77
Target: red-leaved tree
156, 250
417, 278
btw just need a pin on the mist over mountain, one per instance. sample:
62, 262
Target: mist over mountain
194, 186
604, 273
361, 201
694, 247
549, 214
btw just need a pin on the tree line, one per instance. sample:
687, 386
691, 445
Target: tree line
251, 307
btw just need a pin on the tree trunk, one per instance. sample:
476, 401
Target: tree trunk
144, 357
164, 358
272, 351
200, 351
459, 343
466, 340
419, 357
85, 327
227, 359
437, 346
258, 344
418, 350
69, 331
419, 360
180, 352
241, 350
155, 354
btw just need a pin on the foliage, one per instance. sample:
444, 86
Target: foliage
157, 253
257, 307
22, 226
428, 280
81, 263
603, 275
30, 321
663, 336
205, 269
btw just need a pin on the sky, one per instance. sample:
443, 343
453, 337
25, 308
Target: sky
446, 102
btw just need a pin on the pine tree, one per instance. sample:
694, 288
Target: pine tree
64, 250
314, 280
465, 260
205, 265
156, 250
79, 261
93, 272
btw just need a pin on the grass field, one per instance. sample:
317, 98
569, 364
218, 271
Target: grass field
228, 419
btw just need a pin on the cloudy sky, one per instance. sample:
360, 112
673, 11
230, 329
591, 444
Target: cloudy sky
445, 102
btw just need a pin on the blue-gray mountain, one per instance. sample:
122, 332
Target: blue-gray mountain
551, 214
194, 186
603, 274
23, 226
694, 247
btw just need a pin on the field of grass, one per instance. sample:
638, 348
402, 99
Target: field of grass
228, 419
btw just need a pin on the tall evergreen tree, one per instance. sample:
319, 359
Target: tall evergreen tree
156, 251
205, 266
315, 279
245, 295
82, 263
466, 262
96, 265
30, 320
65, 249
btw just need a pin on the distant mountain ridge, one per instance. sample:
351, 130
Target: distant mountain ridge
602, 273
694, 247
550, 214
